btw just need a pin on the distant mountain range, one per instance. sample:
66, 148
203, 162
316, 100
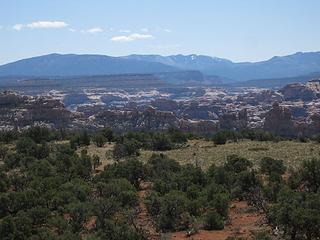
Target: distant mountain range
277, 67
298, 64
80, 65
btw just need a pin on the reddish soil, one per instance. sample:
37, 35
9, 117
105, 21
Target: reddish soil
91, 223
243, 223
143, 219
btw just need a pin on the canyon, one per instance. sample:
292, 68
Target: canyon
290, 111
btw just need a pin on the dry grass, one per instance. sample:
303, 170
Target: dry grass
206, 153
104, 153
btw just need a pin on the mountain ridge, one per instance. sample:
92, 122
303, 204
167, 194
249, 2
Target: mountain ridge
78, 65
297, 64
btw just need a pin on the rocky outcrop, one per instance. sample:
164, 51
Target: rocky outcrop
200, 112
234, 120
149, 119
11, 99
75, 98
201, 127
163, 104
152, 119
309, 127
46, 110
256, 98
279, 121
298, 91
314, 85
109, 98
20, 111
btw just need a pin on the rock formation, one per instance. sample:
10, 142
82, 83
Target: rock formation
279, 121
235, 120
298, 91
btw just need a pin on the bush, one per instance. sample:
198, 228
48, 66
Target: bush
258, 135
3, 152
8, 136
262, 236
161, 165
177, 136
39, 134
129, 147
213, 221
26, 146
237, 164
173, 205
220, 138
153, 203
108, 134
99, 140
80, 139
132, 170
161, 142
310, 175
298, 214
269, 165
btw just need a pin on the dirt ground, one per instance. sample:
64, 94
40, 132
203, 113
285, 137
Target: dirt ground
143, 219
244, 223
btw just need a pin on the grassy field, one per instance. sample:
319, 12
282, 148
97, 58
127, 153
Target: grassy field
205, 153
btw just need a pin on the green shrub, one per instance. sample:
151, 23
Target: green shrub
269, 165
213, 221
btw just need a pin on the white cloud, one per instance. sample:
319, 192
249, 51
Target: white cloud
47, 24
124, 31
144, 30
95, 30
17, 27
131, 37
41, 24
167, 30
72, 30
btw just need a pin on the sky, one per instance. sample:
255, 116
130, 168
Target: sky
239, 30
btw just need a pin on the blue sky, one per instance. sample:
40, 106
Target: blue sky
240, 30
